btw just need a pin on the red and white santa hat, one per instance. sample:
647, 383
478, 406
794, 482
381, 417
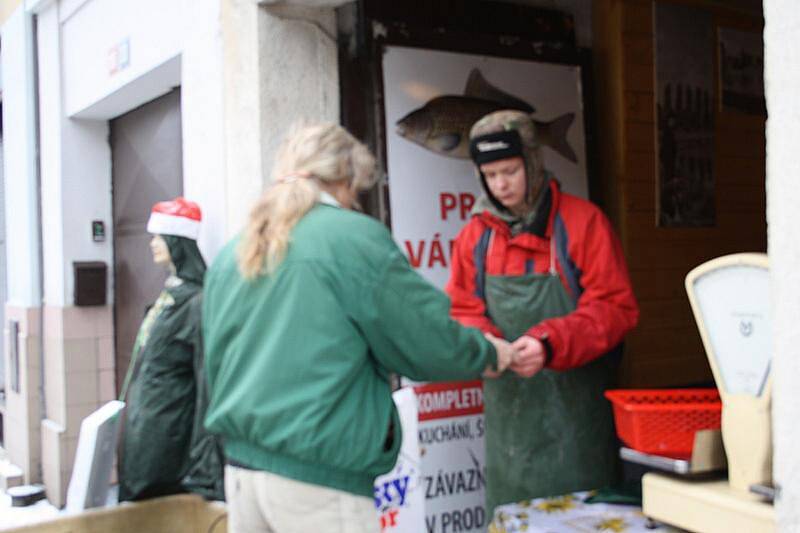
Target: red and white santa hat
178, 217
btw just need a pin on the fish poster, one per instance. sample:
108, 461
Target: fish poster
431, 100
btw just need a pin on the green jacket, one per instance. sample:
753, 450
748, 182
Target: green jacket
298, 361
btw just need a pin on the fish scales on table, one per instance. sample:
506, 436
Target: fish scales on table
442, 125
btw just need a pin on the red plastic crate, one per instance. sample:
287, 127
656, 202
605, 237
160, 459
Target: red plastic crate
664, 421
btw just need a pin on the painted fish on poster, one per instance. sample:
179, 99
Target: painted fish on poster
442, 125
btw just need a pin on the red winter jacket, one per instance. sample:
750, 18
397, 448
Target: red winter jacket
589, 261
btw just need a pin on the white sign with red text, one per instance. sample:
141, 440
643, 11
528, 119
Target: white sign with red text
451, 429
437, 485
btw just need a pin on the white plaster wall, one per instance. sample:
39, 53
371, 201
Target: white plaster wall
202, 114
50, 159
280, 68
2, 263
154, 30
75, 175
782, 73
19, 165
302, 37
68, 7
242, 128
158, 81
86, 194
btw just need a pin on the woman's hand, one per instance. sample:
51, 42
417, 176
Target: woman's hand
505, 356
531, 355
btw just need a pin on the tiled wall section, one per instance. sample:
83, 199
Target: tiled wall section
79, 378
23, 408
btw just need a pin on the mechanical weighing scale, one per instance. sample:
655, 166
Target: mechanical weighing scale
729, 297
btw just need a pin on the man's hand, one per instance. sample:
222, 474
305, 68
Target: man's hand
505, 356
531, 355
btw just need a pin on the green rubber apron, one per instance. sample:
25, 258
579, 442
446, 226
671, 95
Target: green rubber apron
553, 433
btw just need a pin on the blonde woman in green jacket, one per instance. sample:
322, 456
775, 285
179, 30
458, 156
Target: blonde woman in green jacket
305, 315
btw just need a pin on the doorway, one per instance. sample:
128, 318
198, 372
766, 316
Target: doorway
146, 156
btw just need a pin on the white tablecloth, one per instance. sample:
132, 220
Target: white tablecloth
569, 514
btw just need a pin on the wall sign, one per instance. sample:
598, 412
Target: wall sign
119, 57
451, 429
741, 66
685, 115
437, 485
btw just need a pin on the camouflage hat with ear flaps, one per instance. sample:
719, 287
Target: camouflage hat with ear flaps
522, 123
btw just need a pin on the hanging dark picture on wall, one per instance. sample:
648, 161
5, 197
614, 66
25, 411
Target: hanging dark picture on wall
685, 116
741, 71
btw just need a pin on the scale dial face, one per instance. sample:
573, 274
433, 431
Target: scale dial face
734, 305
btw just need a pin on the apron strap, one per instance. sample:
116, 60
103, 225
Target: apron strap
482, 254
569, 269
479, 256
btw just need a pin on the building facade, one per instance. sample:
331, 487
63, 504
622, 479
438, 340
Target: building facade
109, 105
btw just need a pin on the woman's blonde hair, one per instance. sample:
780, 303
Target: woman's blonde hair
309, 156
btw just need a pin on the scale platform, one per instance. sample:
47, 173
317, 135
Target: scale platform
705, 506
708, 455
684, 467
694, 494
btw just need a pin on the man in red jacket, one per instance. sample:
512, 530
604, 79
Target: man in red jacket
544, 270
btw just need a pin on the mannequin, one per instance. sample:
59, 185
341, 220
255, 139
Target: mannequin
160, 250
165, 449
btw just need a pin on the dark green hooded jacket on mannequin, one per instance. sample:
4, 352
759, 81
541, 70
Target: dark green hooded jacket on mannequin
165, 449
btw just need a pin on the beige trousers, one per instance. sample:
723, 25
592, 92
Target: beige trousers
261, 502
